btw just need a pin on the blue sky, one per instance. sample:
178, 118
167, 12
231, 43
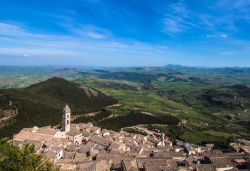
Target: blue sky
125, 33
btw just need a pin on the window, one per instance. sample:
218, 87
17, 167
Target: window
67, 121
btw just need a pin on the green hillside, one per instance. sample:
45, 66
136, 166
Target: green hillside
225, 97
212, 102
214, 113
41, 104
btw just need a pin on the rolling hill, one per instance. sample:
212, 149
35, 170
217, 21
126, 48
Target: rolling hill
41, 104
221, 98
214, 102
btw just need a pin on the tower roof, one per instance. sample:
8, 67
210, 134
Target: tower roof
66, 108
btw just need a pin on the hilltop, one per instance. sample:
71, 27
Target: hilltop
41, 104
212, 103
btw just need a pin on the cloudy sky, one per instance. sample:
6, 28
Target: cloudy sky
125, 33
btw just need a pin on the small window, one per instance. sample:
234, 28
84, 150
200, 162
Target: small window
67, 121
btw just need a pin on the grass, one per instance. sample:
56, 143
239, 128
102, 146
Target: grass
149, 101
198, 137
202, 127
219, 134
177, 99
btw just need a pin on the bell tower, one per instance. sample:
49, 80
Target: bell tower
66, 119
163, 139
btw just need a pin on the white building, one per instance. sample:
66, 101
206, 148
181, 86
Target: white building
66, 119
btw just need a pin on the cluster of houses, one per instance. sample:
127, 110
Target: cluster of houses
85, 147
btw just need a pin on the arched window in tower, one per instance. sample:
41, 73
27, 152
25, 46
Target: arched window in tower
67, 122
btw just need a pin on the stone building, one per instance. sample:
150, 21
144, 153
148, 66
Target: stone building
66, 119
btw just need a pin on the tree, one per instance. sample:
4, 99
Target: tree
12, 158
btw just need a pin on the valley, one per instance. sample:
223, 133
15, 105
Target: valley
198, 105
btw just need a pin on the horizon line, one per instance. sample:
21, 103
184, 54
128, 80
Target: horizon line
131, 66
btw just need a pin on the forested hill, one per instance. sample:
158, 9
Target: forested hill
41, 104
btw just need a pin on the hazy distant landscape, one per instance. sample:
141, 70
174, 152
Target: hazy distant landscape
122, 85
211, 103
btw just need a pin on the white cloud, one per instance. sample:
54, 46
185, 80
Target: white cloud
18, 42
219, 16
237, 4
7, 30
95, 35
223, 35
90, 31
173, 26
177, 18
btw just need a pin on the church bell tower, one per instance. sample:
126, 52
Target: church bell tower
66, 119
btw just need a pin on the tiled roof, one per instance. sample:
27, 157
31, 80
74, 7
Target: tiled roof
221, 162
27, 135
99, 140
206, 167
73, 133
